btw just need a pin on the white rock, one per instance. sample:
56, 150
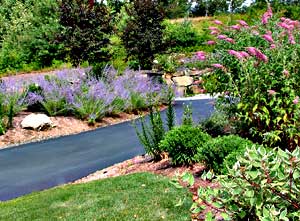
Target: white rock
36, 122
183, 81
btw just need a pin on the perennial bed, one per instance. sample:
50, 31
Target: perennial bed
76, 101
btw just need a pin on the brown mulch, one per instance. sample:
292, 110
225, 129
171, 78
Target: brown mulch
63, 125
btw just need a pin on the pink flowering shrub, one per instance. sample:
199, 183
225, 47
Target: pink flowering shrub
259, 66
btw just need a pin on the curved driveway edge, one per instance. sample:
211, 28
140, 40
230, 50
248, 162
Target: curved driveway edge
41, 165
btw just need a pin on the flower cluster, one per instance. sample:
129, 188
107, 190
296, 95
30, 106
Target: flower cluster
260, 66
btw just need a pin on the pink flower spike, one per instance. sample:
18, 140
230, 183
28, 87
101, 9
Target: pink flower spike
214, 32
210, 42
244, 54
230, 40
251, 51
236, 54
291, 38
271, 92
236, 27
261, 56
243, 23
268, 14
201, 55
212, 28
217, 22
222, 37
217, 66
268, 38
272, 46
296, 100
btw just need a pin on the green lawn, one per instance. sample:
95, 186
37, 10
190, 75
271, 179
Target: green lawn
140, 196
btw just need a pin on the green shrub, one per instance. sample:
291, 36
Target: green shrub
183, 144
262, 185
142, 35
216, 150
180, 35
216, 124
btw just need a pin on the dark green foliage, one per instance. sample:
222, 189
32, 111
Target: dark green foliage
216, 150
183, 144
170, 110
176, 8
143, 33
205, 8
86, 31
217, 124
231, 158
187, 118
178, 36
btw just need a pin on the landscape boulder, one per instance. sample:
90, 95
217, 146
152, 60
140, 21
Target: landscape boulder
183, 81
36, 122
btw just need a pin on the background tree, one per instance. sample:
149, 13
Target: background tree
143, 33
209, 7
87, 26
176, 8
27, 34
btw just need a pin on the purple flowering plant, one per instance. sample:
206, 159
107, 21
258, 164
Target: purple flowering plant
260, 66
12, 101
88, 98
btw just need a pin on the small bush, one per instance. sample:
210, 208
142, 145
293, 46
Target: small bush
217, 124
216, 150
183, 144
263, 185
181, 35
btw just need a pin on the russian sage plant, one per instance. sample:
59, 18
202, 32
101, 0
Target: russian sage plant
12, 97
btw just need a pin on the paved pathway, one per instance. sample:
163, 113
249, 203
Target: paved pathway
41, 165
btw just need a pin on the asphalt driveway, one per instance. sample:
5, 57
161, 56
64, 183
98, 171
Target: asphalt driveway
41, 165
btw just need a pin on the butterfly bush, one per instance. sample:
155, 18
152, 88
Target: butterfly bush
260, 66
76, 92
